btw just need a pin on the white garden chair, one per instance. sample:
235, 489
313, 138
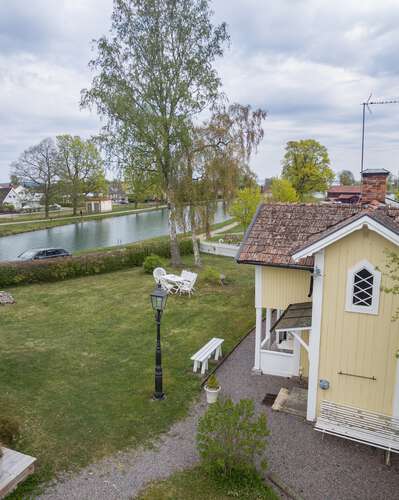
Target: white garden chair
158, 273
187, 285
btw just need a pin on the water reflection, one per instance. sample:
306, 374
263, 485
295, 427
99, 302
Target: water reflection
94, 234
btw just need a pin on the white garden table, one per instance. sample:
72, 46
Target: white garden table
175, 280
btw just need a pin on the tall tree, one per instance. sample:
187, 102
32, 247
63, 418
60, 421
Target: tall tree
215, 163
307, 166
154, 74
37, 165
80, 168
346, 178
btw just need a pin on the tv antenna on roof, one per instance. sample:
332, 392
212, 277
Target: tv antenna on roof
367, 105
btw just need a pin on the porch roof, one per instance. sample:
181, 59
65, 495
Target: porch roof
295, 317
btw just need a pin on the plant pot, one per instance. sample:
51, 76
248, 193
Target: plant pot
211, 394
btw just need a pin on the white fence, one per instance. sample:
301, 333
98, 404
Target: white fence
219, 248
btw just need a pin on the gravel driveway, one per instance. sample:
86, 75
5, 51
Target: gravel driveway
316, 468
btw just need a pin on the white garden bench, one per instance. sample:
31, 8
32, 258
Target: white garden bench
214, 346
363, 426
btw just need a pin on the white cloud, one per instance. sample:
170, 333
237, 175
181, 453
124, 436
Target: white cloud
310, 63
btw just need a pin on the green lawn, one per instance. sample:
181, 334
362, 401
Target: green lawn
195, 484
77, 360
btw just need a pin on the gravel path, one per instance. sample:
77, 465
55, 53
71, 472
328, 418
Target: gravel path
316, 468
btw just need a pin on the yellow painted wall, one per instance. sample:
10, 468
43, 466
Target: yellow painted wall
282, 287
304, 360
361, 344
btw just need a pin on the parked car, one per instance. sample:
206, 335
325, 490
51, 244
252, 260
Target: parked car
43, 253
55, 206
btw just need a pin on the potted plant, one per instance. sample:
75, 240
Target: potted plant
212, 389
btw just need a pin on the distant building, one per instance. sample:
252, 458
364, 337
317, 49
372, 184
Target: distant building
344, 194
96, 205
9, 196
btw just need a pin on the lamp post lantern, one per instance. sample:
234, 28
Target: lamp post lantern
158, 302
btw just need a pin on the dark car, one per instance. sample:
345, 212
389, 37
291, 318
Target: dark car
43, 253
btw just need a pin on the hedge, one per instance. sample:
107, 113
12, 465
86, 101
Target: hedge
21, 273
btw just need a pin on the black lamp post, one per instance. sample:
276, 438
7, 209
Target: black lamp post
158, 301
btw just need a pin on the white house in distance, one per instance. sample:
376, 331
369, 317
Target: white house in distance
96, 205
19, 197
9, 195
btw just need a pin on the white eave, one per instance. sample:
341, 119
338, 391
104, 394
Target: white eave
365, 221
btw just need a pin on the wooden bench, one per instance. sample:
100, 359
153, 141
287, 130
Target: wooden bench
214, 346
363, 426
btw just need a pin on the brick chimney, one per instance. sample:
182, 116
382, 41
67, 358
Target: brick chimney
374, 185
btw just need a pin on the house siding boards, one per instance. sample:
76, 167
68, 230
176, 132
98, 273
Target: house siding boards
282, 287
357, 343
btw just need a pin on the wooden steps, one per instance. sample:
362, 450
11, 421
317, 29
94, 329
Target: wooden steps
15, 467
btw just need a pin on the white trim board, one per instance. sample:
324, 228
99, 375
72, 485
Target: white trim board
314, 338
345, 231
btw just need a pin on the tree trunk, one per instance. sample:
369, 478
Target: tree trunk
46, 205
75, 204
174, 244
197, 256
207, 222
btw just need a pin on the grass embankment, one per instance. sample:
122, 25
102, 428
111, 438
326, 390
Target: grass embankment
233, 235
196, 484
77, 360
35, 222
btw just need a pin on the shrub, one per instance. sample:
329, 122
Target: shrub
230, 438
213, 382
18, 273
7, 208
9, 431
151, 262
210, 276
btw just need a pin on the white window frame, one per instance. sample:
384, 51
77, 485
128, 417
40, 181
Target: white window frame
373, 308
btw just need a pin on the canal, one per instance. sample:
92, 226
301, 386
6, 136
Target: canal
94, 234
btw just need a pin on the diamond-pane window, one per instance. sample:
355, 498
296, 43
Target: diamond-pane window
363, 289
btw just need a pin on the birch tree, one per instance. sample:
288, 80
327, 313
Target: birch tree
153, 74
37, 166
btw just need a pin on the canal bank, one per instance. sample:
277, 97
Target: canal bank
106, 232
29, 224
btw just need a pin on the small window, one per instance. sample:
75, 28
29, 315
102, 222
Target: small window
363, 289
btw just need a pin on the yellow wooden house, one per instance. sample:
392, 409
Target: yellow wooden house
320, 311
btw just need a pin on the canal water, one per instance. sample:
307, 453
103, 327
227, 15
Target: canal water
94, 234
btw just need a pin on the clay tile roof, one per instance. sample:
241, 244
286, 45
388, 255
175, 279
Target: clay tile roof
345, 189
279, 230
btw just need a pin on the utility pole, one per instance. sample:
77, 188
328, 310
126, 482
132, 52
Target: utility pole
367, 105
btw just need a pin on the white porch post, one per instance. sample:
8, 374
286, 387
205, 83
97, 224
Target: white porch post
258, 306
395, 409
314, 338
268, 322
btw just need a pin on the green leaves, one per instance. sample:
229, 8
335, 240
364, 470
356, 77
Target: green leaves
245, 205
230, 438
306, 165
283, 191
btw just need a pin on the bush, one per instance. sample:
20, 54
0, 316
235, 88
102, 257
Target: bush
7, 208
210, 276
19, 273
230, 439
9, 431
151, 262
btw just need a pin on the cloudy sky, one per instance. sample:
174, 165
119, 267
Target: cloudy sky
309, 63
